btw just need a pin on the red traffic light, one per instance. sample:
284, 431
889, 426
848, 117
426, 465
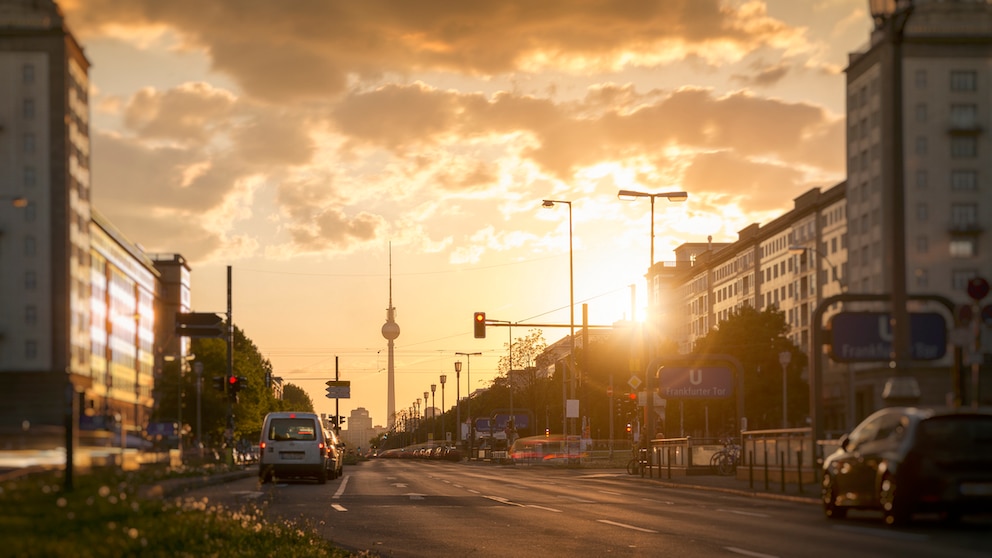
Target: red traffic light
480, 325
632, 396
232, 380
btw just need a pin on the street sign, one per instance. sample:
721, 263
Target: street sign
978, 287
338, 389
200, 324
634, 382
704, 382
867, 336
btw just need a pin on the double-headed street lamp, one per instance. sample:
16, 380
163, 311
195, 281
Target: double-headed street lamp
571, 319
629, 195
458, 369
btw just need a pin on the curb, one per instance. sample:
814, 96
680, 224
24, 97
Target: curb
173, 487
744, 492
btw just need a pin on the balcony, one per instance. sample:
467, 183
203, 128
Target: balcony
965, 229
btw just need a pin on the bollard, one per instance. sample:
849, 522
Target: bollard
669, 463
766, 468
799, 469
782, 466
750, 470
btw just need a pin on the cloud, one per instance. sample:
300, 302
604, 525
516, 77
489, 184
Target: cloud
312, 49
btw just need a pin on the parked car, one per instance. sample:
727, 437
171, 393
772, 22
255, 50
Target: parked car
335, 453
294, 445
904, 460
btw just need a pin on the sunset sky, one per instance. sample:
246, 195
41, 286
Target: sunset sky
295, 141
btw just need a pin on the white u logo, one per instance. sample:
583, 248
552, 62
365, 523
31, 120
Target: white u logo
696, 376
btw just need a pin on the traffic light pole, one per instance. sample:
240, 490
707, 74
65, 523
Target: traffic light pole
229, 433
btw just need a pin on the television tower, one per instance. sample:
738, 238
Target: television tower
390, 330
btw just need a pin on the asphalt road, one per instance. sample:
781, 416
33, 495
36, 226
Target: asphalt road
402, 508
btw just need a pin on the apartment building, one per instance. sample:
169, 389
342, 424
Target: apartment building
81, 307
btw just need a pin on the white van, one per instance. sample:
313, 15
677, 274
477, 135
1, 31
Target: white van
294, 445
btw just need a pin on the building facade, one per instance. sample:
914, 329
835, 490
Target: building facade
82, 309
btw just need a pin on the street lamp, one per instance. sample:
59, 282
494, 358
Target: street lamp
458, 402
628, 195
443, 379
468, 371
571, 319
784, 358
434, 409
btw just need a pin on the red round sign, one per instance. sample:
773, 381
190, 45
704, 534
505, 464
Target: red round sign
978, 288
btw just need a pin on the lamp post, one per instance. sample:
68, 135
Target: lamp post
571, 320
784, 358
628, 195
468, 409
443, 433
181, 364
433, 409
458, 402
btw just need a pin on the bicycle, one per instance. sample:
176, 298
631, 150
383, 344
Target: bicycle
634, 466
725, 461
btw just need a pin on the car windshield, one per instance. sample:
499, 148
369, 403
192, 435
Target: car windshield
292, 429
956, 435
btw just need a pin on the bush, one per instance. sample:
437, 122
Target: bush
103, 516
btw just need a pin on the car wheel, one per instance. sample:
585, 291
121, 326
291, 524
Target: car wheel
322, 476
894, 509
829, 496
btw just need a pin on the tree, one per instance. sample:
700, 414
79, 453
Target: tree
295, 399
756, 338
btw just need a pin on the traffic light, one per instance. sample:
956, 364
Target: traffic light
219, 383
628, 428
234, 384
480, 325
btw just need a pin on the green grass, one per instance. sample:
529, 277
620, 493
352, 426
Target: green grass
104, 516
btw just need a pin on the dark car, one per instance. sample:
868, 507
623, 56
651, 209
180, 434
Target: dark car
904, 460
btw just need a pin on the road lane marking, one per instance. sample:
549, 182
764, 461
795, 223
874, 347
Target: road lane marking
339, 507
474, 491
399, 485
749, 514
749, 553
543, 508
340, 490
610, 493
666, 502
502, 500
625, 526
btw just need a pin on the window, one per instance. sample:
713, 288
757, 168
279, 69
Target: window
30, 177
964, 80
30, 248
921, 112
964, 180
27, 73
922, 244
30, 315
922, 278
964, 147
28, 109
960, 278
922, 212
921, 145
30, 281
30, 350
921, 179
964, 214
28, 143
964, 116
920, 79
962, 248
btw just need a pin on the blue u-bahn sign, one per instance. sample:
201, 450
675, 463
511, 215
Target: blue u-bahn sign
867, 336
703, 382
